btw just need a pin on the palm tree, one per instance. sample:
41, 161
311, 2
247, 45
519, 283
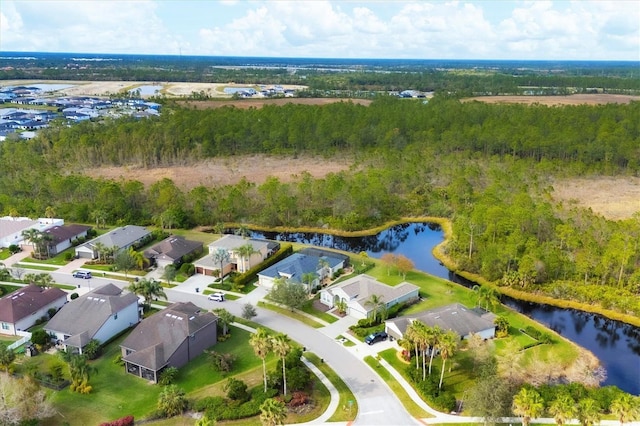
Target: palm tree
243, 231
245, 252
434, 335
260, 341
323, 265
528, 404
5, 273
224, 319
487, 297
35, 239
172, 401
412, 335
589, 412
563, 409
221, 256
147, 289
100, 217
49, 212
448, 343
281, 346
376, 301
626, 408
308, 278
138, 258
272, 412
101, 249
170, 273
44, 280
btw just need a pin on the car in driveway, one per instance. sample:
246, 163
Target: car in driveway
82, 274
375, 338
216, 297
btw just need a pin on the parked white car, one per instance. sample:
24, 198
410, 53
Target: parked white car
217, 297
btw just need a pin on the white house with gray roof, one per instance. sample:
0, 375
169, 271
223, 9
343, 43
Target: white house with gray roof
357, 291
99, 314
455, 317
120, 238
11, 228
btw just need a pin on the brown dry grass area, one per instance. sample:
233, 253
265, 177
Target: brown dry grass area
580, 99
614, 198
224, 171
259, 103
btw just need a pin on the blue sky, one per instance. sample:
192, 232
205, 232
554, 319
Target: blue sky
487, 29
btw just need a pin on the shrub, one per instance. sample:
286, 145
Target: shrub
68, 256
51, 312
167, 376
40, 337
188, 269
13, 249
222, 361
93, 349
236, 390
298, 399
74, 296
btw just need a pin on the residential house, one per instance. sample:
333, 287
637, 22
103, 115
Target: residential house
21, 309
11, 228
262, 249
99, 314
63, 237
322, 263
456, 317
169, 338
172, 251
119, 238
356, 293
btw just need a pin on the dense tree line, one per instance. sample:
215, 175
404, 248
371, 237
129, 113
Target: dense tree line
488, 167
604, 135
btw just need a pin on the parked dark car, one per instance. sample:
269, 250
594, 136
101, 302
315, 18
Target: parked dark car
375, 337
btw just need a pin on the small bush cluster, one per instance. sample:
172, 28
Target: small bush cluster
536, 334
124, 421
298, 399
438, 398
219, 408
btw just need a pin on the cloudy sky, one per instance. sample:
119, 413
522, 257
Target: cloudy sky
472, 29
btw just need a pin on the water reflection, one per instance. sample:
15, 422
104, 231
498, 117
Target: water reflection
603, 337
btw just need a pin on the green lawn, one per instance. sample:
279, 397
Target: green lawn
58, 259
116, 393
4, 254
36, 267
309, 309
287, 312
411, 407
348, 406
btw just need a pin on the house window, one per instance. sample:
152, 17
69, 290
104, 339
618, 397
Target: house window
5, 326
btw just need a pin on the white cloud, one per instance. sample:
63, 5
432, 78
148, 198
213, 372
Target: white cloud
391, 29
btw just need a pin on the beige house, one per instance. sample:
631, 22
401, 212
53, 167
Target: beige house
232, 245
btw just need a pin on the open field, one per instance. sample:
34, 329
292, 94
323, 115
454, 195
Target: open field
615, 198
225, 171
581, 99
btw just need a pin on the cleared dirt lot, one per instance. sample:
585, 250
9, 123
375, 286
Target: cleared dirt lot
223, 171
557, 100
613, 197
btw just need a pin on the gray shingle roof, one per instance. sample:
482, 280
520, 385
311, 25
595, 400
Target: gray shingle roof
89, 312
456, 317
232, 242
360, 288
120, 237
156, 338
27, 300
172, 248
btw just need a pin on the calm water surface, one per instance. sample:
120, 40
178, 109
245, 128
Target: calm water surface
616, 344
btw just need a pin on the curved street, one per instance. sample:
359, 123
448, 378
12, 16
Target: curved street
377, 404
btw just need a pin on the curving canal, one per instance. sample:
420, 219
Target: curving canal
617, 345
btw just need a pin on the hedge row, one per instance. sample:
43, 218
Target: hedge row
219, 408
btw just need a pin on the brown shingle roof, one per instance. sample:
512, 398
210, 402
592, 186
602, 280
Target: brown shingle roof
27, 300
66, 232
172, 248
156, 338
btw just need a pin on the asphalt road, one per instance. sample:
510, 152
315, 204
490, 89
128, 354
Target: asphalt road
377, 404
